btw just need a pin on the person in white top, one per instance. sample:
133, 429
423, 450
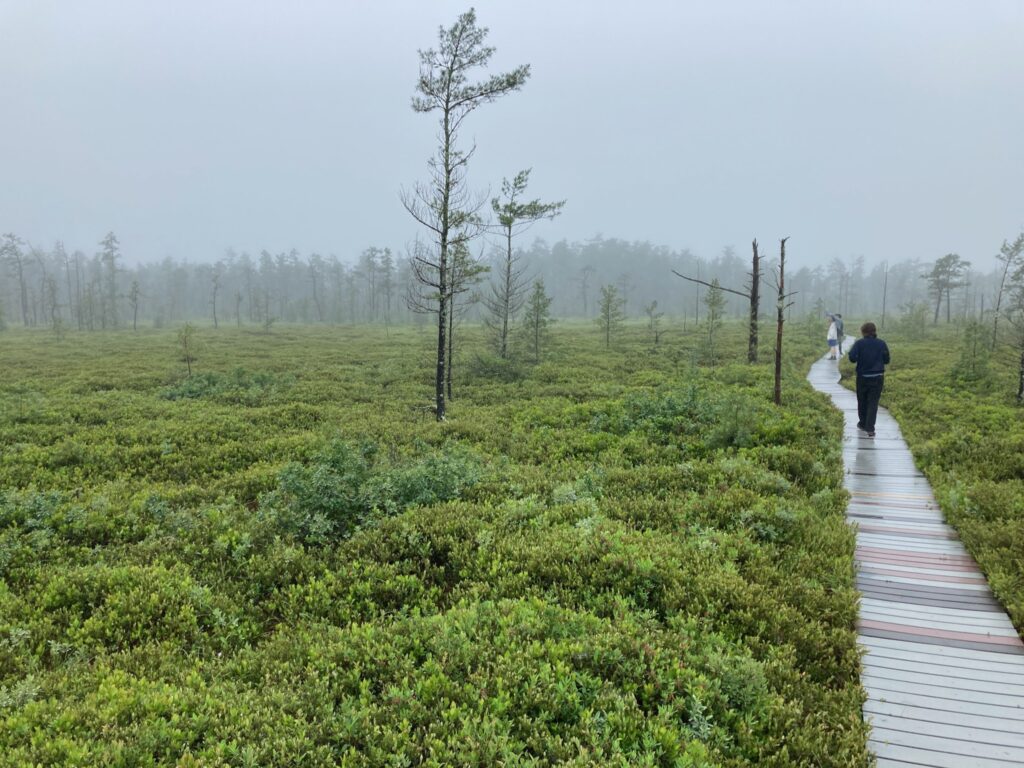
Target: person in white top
833, 339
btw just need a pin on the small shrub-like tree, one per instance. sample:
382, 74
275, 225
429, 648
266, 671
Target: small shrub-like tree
610, 314
714, 302
537, 320
187, 345
973, 365
654, 321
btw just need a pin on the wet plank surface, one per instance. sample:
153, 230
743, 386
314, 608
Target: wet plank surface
943, 665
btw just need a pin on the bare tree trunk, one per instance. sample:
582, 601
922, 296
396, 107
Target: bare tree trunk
442, 332
696, 301
779, 320
316, 298
213, 301
536, 340
755, 299
451, 337
506, 297
67, 277
24, 292
78, 289
885, 290
1020, 382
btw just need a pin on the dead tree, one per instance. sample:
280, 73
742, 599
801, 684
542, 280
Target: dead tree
215, 285
134, 293
780, 317
752, 295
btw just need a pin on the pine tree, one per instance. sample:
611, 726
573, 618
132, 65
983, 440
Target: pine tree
537, 320
610, 313
444, 206
508, 290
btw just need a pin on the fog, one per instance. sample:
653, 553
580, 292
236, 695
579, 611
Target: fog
885, 130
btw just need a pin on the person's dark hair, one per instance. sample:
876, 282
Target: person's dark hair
868, 329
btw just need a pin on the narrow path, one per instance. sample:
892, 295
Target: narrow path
944, 667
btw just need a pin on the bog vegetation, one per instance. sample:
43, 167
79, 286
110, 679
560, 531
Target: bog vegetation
235, 532
616, 556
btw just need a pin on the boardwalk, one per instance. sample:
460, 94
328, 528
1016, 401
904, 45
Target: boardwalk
944, 667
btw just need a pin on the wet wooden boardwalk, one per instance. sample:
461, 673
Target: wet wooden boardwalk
944, 667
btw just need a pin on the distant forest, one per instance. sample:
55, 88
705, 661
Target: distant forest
98, 290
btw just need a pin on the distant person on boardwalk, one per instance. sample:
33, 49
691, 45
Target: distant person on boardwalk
833, 338
840, 335
871, 355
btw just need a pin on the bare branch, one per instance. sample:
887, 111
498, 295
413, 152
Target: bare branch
709, 285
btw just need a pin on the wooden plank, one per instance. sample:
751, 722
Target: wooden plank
927, 613
876, 513
950, 655
1012, 738
917, 757
900, 594
942, 717
954, 706
959, 614
1007, 705
928, 581
881, 658
994, 618
867, 535
904, 593
973, 750
886, 528
946, 561
885, 496
899, 473
935, 632
865, 632
906, 619
927, 569
948, 622
948, 592
902, 543
895, 595
960, 684
971, 583
894, 558
930, 668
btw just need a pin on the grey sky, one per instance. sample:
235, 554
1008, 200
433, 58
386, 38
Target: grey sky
888, 129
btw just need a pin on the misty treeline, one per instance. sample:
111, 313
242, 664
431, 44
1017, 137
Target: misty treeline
101, 289
471, 264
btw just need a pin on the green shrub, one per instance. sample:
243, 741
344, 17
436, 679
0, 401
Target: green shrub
344, 487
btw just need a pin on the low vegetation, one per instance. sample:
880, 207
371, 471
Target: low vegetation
615, 557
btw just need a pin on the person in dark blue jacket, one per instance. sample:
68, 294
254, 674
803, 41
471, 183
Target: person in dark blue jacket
871, 355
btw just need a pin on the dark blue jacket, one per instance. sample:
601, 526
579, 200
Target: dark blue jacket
871, 356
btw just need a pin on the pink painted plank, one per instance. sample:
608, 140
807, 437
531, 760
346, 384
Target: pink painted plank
945, 634
926, 576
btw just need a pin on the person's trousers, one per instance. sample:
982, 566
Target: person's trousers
869, 391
